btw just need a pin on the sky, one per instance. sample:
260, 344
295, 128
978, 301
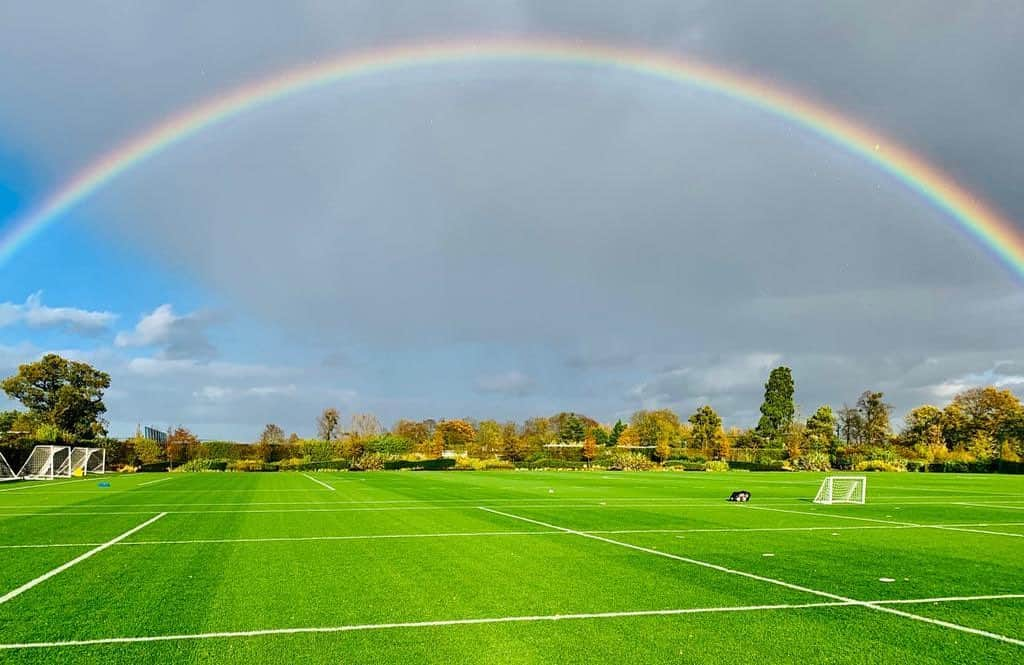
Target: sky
508, 239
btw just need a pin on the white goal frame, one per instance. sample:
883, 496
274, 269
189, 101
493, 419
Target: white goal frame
6, 472
47, 463
88, 460
842, 489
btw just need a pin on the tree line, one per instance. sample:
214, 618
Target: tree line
979, 429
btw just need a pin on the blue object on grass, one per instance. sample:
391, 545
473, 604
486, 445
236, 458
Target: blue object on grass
104, 484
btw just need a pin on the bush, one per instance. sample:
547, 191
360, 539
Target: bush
772, 465
440, 464
201, 464
684, 465
630, 461
811, 461
472, 464
879, 465
716, 465
251, 465
917, 465
368, 462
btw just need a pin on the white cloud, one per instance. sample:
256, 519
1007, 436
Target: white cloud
511, 383
178, 337
1001, 376
35, 314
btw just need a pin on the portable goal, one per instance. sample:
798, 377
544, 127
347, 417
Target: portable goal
47, 462
6, 472
88, 460
842, 489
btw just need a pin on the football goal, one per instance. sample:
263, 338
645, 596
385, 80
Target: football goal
842, 489
6, 472
88, 460
47, 462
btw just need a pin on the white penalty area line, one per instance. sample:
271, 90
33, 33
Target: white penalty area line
490, 620
769, 580
154, 482
78, 559
319, 482
908, 525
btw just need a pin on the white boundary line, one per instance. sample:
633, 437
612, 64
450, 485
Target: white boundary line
153, 482
319, 482
989, 505
769, 580
78, 559
489, 620
901, 524
471, 534
42, 483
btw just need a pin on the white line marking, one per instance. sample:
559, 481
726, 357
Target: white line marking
153, 482
769, 580
78, 559
471, 534
901, 524
28, 484
990, 505
485, 620
319, 482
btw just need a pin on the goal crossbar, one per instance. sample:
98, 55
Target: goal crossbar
842, 489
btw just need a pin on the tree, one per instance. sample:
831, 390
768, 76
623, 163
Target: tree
271, 436
418, 433
456, 434
489, 440
571, 429
180, 442
617, 430
654, 428
921, 425
820, 430
600, 435
512, 445
982, 411
589, 451
365, 425
146, 450
778, 408
707, 431
875, 416
7, 420
328, 424
851, 426
64, 393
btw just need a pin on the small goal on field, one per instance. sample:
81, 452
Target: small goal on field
47, 462
842, 489
88, 460
6, 472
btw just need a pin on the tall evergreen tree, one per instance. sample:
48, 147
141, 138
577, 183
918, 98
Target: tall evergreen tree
778, 408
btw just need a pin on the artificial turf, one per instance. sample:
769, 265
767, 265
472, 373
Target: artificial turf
239, 552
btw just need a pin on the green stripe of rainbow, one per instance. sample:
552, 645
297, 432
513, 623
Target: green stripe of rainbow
980, 221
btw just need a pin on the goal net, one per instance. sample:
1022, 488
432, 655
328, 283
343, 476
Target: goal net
842, 489
6, 472
46, 462
88, 460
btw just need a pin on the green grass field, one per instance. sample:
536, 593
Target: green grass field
515, 567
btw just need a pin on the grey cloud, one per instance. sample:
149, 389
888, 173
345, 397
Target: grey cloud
179, 337
548, 217
512, 383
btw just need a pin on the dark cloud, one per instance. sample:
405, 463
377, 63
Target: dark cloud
555, 219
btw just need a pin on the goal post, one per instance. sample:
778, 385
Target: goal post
87, 460
6, 472
46, 463
842, 489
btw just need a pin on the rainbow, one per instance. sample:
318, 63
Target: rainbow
978, 220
